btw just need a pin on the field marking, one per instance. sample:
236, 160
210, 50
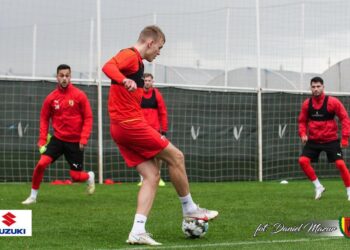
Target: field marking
228, 244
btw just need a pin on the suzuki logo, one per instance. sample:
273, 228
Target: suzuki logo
8, 219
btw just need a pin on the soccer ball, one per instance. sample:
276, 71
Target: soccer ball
194, 228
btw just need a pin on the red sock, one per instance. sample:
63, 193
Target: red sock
79, 176
344, 172
305, 164
39, 170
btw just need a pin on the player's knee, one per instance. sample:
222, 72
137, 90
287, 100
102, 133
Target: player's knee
179, 158
340, 164
153, 178
157, 177
44, 162
304, 161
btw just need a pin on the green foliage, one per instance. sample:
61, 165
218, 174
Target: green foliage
66, 218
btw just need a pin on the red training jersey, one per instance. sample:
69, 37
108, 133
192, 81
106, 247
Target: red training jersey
324, 131
70, 113
154, 110
123, 105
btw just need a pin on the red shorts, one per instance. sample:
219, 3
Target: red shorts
137, 142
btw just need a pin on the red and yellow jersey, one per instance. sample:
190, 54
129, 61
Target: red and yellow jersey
325, 129
154, 110
125, 106
70, 113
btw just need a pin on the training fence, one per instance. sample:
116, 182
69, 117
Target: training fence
216, 129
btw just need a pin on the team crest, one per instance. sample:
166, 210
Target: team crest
71, 103
344, 223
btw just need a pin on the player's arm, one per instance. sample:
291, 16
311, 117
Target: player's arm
343, 116
87, 121
112, 70
303, 120
122, 62
45, 115
162, 113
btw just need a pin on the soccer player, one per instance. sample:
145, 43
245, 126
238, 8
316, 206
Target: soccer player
318, 132
137, 141
154, 110
70, 113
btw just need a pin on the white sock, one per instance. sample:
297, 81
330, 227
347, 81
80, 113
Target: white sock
317, 183
91, 177
141, 178
139, 224
348, 191
34, 193
188, 206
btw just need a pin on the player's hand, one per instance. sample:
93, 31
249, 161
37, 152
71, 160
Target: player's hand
344, 143
42, 149
81, 146
129, 84
304, 139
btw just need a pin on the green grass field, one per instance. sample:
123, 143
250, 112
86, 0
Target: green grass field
66, 218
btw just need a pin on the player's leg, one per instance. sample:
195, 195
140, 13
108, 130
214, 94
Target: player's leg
53, 150
345, 175
136, 147
161, 182
75, 158
305, 164
146, 195
178, 176
310, 153
147, 192
335, 154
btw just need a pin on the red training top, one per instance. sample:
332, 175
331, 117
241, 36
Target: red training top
70, 112
324, 131
124, 106
154, 110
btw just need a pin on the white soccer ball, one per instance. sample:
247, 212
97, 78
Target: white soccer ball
194, 228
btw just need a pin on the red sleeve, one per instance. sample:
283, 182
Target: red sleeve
87, 118
303, 118
45, 116
124, 63
340, 111
162, 112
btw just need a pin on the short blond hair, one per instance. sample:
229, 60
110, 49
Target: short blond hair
153, 32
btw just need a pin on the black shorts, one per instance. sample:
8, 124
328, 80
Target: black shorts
313, 149
71, 151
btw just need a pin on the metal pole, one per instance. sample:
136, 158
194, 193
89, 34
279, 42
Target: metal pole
91, 48
34, 50
258, 71
302, 28
227, 40
99, 93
